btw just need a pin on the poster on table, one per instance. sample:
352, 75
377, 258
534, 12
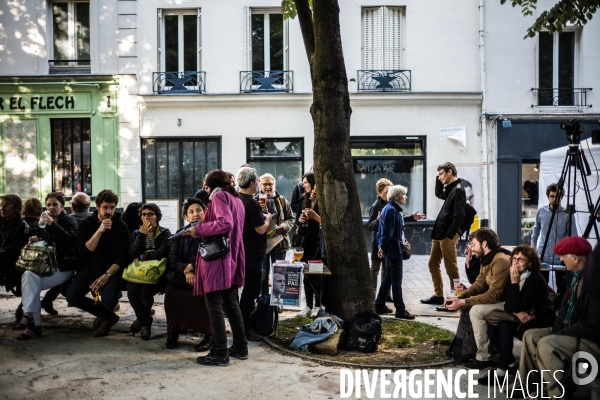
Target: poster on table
286, 290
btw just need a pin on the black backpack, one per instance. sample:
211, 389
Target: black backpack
365, 332
264, 318
470, 214
463, 346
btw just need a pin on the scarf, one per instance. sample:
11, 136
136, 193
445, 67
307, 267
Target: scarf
489, 257
150, 240
572, 296
190, 249
212, 194
524, 275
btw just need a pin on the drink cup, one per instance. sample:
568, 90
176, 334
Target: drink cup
457, 285
262, 199
298, 253
42, 223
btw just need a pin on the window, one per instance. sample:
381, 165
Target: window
399, 159
70, 34
282, 158
175, 168
267, 41
71, 161
382, 38
180, 47
556, 72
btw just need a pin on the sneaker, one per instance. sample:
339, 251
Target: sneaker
383, 309
404, 315
314, 312
108, 321
304, 313
213, 359
279, 309
478, 364
436, 300
48, 307
253, 336
205, 344
240, 354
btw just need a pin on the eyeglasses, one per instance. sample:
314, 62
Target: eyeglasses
150, 214
519, 260
267, 184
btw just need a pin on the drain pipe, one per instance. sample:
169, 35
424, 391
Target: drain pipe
488, 207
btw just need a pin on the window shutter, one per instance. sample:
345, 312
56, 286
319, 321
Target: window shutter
372, 38
247, 40
393, 37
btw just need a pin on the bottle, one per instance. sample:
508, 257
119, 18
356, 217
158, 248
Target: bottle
42, 223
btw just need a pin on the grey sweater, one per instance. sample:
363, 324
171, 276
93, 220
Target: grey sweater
559, 232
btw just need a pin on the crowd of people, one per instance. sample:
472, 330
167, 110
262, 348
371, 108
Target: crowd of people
509, 295
509, 292
93, 249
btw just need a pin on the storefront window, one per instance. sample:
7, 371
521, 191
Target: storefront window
282, 158
71, 161
399, 159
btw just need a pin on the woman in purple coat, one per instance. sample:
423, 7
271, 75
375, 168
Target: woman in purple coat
218, 280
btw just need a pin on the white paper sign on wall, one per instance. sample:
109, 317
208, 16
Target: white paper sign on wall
457, 134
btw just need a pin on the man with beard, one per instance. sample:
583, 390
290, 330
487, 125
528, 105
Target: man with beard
103, 243
486, 293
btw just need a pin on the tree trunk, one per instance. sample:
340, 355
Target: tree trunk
341, 217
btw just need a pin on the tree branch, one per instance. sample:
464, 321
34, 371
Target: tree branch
306, 26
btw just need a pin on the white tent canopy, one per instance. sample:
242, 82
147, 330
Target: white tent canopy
551, 164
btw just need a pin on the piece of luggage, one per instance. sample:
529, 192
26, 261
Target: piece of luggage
265, 318
365, 332
463, 346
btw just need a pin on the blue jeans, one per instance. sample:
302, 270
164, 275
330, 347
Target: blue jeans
250, 292
109, 295
393, 279
501, 337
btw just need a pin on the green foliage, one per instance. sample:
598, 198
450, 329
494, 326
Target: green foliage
564, 12
288, 8
399, 341
418, 331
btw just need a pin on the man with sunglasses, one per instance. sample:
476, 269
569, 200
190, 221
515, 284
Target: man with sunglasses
103, 243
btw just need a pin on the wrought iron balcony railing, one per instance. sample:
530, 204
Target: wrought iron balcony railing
69, 66
188, 82
266, 81
384, 80
555, 97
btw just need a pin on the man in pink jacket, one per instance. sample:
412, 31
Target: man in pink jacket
218, 280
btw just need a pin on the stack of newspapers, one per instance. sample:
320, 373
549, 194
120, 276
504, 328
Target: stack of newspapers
315, 266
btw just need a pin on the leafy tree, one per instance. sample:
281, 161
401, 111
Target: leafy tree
339, 207
577, 12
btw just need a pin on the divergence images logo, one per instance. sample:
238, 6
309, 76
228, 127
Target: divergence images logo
579, 365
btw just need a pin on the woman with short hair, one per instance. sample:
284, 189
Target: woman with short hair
526, 294
149, 242
61, 231
183, 310
381, 187
389, 235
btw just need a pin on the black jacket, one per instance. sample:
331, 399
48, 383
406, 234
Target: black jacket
297, 197
63, 233
532, 298
452, 212
13, 236
311, 232
585, 319
177, 262
373, 225
112, 247
162, 245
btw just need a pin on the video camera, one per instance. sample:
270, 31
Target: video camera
573, 130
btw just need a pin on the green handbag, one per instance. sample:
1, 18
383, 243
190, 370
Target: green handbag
147, 272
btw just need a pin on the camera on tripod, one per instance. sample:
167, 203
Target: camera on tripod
573, 130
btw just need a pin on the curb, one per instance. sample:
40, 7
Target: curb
352, 365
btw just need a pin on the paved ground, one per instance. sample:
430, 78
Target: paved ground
67, 362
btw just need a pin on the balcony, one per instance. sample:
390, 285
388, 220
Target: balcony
554, 97
69, 67
189, 82
266, 81
384, 80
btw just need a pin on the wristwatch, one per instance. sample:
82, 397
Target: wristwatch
107, 273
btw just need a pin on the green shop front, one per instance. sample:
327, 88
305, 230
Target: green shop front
59, 135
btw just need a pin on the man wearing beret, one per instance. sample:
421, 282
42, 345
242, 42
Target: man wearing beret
577, 328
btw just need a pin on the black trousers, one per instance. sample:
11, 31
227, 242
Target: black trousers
141, 298
226, 300
109, 295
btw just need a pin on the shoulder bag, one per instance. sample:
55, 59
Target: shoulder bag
145, 272
213, 247
497, 315
405, 248
38, 257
